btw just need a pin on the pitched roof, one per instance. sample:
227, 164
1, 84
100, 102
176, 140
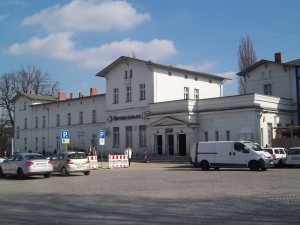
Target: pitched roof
35, 97
263, 61
121, 59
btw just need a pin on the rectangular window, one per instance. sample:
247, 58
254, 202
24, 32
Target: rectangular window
205, 136
196, 93
130, 73
25, 105
227, 135
69, 119
142, 91
25, 123
116, 137
267, 89
36, 122
44, 121
125, 74
142, 136
36, 144
116, 96
57, 120
94, 116
25, 143
217, 135
128, 132
43, 142
186, 93
128, 94
81, 117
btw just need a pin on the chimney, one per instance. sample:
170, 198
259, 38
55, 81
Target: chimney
80, 95
61, 95
93, 91
71, 95
278, 57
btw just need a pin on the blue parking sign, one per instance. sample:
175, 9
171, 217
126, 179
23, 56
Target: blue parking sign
101, 137
65, 136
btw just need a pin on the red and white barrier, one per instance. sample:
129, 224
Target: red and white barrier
93, 162
118, 161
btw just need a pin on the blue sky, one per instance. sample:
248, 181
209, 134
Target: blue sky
73, 40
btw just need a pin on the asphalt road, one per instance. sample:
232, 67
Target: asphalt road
154, 194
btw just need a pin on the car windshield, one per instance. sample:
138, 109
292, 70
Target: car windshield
30, 157
77, 155
253, 146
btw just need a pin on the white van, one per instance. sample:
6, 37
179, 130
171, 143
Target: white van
230, 154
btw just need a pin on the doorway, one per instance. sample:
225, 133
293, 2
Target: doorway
171, 144
159, 144
182, 144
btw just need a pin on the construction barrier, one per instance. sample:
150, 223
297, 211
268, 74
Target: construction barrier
118, 161
93, 162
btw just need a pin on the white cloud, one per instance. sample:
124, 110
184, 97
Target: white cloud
88, 16
61, 47
205, 67
2, 17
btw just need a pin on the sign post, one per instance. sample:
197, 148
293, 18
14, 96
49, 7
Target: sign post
65, 138
102, 143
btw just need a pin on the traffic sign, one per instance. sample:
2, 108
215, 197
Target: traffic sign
65, 136
101, 137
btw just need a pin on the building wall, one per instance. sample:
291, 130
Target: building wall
47, 136
282, 80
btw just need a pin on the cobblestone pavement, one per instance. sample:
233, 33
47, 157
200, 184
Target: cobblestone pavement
148, 193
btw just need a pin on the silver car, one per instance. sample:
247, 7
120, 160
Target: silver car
71, 162
27, 164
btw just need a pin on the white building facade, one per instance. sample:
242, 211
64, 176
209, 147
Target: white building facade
162, 109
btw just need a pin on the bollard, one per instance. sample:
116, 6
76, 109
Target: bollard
145, 156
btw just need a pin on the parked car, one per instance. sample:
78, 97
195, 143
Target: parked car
27, 164
71, 162
293, 157
279, 156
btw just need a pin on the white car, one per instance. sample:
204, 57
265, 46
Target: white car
293, 157
278, 154
26, 164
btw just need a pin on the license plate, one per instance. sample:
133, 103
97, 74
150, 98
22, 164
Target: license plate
41, 164
81, 168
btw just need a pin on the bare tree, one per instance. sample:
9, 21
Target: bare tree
246, 58
28, 79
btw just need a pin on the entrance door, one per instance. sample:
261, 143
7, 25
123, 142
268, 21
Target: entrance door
182, 144
159, 144
171, 144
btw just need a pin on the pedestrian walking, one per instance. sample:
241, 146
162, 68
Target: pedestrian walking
128, 152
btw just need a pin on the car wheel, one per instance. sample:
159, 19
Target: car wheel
20, 174
47, 175
1, 173
87, 173
204, 165
254, 166
64, 171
